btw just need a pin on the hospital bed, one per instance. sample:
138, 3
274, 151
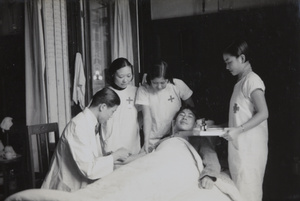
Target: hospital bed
170, 173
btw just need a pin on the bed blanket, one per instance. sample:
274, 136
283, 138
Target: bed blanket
171, 173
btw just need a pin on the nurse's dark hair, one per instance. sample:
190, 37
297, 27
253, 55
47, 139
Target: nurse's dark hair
187, 107
116, 65
105, 96
159, 69
237, 48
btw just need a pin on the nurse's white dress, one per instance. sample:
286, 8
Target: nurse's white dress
163, 105
247, 162
122, 129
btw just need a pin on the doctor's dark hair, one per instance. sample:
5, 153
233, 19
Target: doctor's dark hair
237, 48
105, 96
157, 70
116, 65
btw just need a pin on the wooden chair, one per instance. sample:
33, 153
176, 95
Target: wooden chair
41, 150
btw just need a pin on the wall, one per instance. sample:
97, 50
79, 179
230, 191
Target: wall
162, 9
12, 72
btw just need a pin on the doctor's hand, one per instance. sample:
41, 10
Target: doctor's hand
206, 183
121, 154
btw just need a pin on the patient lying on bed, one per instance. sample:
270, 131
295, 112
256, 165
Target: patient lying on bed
171, 172
184, 122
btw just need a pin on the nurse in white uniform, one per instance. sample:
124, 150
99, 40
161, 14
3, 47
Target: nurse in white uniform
248, 130
122, 129
160, 99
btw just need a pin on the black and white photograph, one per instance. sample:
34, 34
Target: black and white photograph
150, 100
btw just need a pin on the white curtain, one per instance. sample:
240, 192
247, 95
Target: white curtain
122, 32
47, 76
36, 107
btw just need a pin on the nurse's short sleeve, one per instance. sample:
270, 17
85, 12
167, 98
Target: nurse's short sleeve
142, 96
252, 83
184, 91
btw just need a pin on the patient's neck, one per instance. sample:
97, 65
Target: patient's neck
182, 133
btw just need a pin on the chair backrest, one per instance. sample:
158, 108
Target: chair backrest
41, 149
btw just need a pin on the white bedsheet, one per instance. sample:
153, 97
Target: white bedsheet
170, 173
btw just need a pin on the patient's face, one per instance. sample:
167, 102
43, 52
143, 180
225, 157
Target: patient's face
185, 120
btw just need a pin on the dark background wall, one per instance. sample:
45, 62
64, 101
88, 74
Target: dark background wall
12, 71
192, 46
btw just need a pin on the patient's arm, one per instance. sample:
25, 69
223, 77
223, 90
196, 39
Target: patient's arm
212, 167
205, 148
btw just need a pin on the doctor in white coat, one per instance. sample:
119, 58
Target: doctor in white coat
79, 158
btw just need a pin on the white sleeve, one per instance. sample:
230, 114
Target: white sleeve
184, 91
252, 83
142, 96
82, 152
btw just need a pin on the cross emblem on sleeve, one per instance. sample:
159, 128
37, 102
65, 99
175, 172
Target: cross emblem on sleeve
129, 100
236, 108
171, 98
